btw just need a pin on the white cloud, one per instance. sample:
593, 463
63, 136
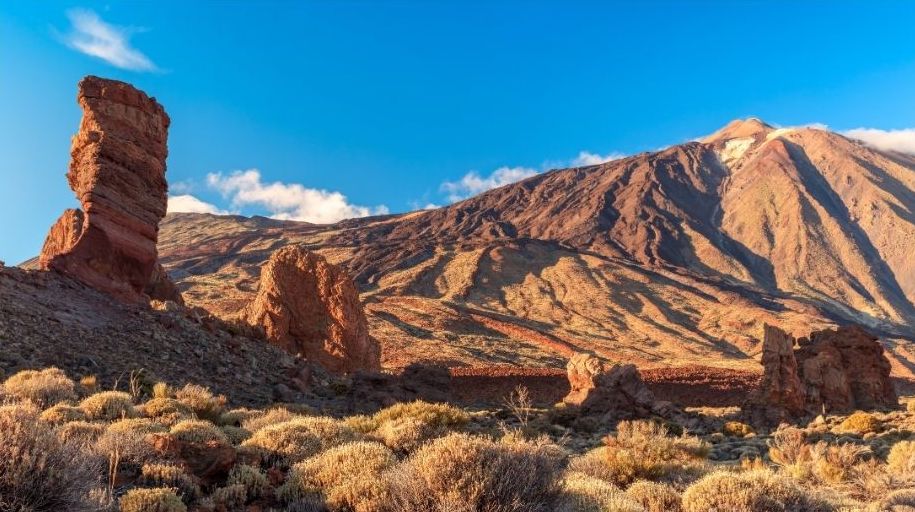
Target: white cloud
585, 158
190, 204
902, 141
288, 201
472, 183
92, 36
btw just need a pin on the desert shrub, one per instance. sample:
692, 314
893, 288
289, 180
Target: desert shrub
901, 458
644, 450
405, 426
582, 493
108, 405
232, 497
44, 387
463, 472
140, 426
834, 463
169, 475
62, 413
262, 419
294, 440
251, 478
235, 417
198, 431
122, 449
201, 401
910, 406
40, 471
902, 500
158, 407
860, 423
349, 476
162, 390
88, 384
788, 447
760, 490
80, 431
737, 429
235, 435
159, 499
654, 496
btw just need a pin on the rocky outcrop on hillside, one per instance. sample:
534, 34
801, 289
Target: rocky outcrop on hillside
117, 170
610, 391
831, 371
311, 307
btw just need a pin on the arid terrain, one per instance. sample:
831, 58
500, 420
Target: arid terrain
661, 259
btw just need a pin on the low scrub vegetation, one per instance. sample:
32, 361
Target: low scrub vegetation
63, 447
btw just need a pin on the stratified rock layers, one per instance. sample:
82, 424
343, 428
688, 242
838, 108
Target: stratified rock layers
117, 170
311, 307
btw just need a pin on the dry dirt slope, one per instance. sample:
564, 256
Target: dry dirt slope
660, 258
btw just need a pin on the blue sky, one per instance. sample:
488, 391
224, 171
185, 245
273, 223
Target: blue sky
324, 110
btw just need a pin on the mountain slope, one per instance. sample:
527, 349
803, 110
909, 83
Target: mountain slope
660, 258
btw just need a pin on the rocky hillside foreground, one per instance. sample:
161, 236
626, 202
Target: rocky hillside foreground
667, 258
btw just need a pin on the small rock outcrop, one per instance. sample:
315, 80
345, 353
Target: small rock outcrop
311, 307
611, 391
832, 371
117, 170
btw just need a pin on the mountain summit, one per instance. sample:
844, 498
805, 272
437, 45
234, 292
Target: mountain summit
668, 257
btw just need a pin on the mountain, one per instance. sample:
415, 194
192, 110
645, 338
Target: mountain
665, 258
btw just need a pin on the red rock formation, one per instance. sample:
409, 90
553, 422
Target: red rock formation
610, 390
833, 371
117, 170
309, 306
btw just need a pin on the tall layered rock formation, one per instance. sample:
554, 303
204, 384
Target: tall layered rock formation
833, 371
311, 307
117, 170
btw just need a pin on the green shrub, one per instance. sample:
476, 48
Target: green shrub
405, 426
44, 387
152, 500
108, 405
251, 478
39, 470
232, 497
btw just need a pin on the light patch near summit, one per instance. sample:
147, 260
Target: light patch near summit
734, 150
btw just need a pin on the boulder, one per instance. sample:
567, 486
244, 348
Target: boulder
608, 390
832, 371
117, 170
311, 307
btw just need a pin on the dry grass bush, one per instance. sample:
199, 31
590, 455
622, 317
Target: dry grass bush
164, 407
108, 405
159, 499
44, 387
737, 429
141, 426
349, 476
266, 418
644, 450
860, 423
297, 439
80, 431
201, 401
198, 431
123, 450
252, 478
231, 497
582, 493
835, 463
88, 384
38, 470
463, 472
655, 496
61, 413
235, 435
758, 490
169, 475
404, 427
235, 417
901, 458
902, 500
162, 390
